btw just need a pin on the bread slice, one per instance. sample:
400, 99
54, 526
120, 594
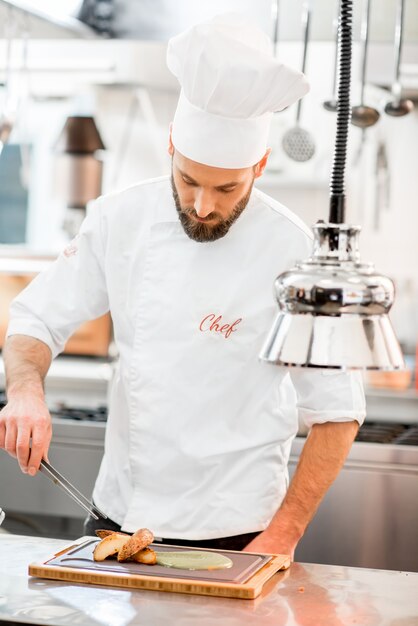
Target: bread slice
110, 545
147, 556
102, 533
139, 540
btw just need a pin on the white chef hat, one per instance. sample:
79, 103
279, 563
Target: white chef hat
230, 86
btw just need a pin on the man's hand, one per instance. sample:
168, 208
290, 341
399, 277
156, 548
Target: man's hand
25, 422
26, 431
269, 543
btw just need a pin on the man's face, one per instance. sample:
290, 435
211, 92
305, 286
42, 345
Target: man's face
209, 199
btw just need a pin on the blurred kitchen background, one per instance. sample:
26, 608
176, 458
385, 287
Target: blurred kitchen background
85, 105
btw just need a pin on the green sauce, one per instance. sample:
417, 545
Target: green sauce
193, 560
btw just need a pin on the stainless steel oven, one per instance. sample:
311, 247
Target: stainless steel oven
369, 517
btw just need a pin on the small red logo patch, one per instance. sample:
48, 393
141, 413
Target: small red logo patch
213, 323
71, 249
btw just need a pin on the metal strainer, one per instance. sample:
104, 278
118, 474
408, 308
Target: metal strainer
297, 142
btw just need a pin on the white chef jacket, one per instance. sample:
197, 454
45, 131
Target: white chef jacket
199, 430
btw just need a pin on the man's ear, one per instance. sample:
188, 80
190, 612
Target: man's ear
170, 148
260, 166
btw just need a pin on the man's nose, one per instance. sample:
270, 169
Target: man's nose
204, 203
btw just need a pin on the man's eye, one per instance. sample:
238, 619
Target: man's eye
227, 190
189, 182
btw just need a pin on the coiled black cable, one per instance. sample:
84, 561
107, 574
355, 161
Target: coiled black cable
337, 185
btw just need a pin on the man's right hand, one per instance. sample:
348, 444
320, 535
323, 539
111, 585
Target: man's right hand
25, 422
26, 431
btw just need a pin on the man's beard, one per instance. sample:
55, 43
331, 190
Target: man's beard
199, 231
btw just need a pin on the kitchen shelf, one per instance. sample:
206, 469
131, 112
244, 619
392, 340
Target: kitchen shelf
392, 405
403, 394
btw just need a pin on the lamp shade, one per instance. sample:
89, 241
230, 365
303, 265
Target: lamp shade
333, 309
79, 136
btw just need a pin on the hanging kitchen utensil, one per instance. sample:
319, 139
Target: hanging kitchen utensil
397, 107
363, 115
6, 116
359, 152
298, 142
22, 106
331, 105
382, 189
275, 16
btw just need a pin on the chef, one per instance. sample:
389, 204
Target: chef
199, 430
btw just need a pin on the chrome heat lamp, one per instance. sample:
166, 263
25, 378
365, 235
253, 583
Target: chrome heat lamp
333, 308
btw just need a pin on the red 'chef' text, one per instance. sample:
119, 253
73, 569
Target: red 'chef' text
214, 324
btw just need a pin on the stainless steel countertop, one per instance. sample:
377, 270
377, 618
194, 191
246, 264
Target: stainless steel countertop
305, 595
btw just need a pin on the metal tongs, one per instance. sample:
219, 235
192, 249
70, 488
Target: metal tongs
74, 493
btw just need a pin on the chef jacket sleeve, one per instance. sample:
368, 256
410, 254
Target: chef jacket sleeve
72, 290
328, 395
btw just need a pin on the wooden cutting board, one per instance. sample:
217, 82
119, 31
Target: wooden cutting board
101, 574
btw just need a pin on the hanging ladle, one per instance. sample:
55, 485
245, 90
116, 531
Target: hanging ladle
398, 106
361, 115
298, 142
331, 105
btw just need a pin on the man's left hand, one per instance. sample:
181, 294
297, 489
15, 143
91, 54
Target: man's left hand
268, 543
